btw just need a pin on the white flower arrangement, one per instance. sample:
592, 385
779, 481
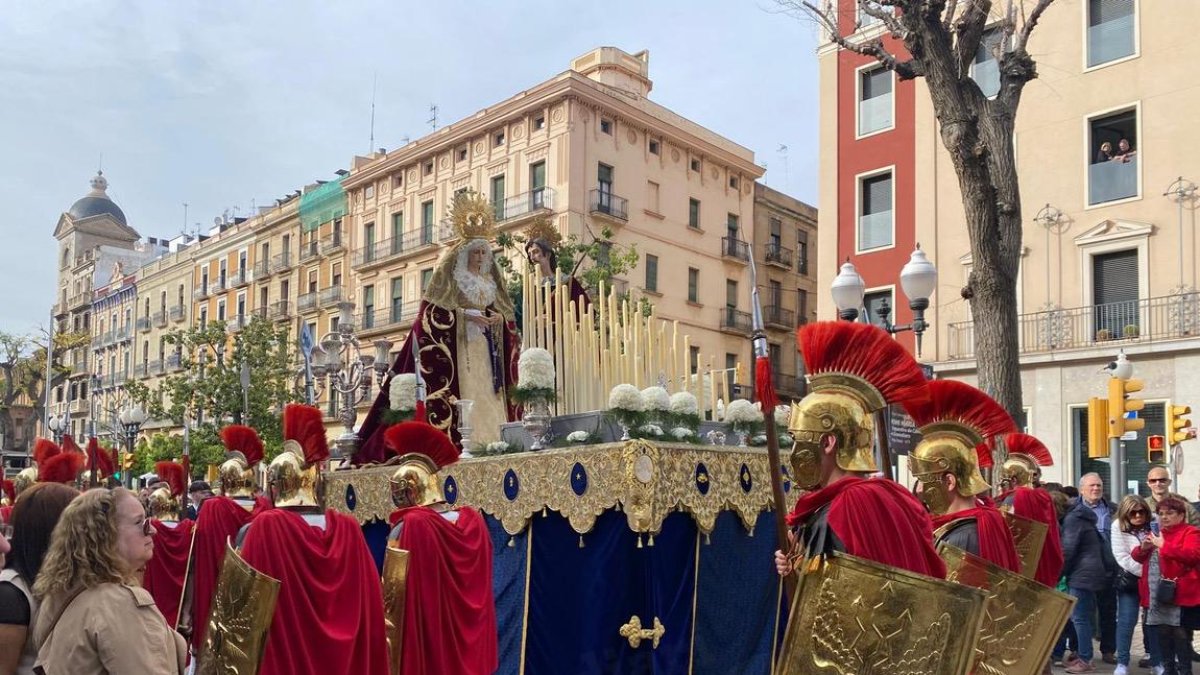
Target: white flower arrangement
651, 430
496, 448
684, 403
682, 433
786, 440
535, 369
743, 412
402, 393
705, 390
656, 399
758, 439
578, 437
783, 415
625, 397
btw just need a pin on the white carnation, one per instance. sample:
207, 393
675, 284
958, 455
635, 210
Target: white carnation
680, 433
684, 403
402, 393
625, 397
705, 393
786, 440
496, 447
783, 415
741, 411
535, 369
651, 429
656, 398
578, 437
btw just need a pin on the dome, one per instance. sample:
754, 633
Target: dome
96, 202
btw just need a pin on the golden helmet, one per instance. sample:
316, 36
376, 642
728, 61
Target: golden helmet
294, 474
419, 450
854, 370
1022, 465
26, 478
165, 502
243, 451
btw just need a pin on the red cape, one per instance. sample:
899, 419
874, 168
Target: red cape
5, 513
329, 618
450, 613
876, 519
219, 520
167, 570
1036, 504
995, 539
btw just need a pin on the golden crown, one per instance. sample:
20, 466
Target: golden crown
543, 228
472, 216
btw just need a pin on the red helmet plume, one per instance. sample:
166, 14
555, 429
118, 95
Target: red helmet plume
69, 444
61, 468
866, 352
172, 474
243, 439
303, 424
44, 449
100, 458
1024, 444
9, 489
421, 437
952, 401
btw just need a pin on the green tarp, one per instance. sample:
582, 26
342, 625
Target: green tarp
322, 204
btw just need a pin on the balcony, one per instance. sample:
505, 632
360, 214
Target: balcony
156, 367
386, 318
105, 338
1106, 327
262, 269
331, 296
388, 250
217, 286
202, 292
307, 302
78, 407
777, 255
332, 243
160, 318
279, 310
1110, 181
735, 249
239, 278
260, 313
177, 313
281, 262
310, 251
140, 370
529, 203
143, 323
734, 321
174, 362
236, 323
605, 203
80, 300
778, 317
123, 333
789, 386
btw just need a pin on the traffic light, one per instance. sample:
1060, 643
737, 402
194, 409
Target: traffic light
1120, 403
1097, 428
1177, 425
1156, 449
127, 460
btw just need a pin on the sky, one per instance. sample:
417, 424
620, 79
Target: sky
227, 105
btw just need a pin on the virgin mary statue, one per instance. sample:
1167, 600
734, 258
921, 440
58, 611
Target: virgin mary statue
465, 336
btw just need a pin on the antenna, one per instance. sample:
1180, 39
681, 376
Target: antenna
183, 230
783, 152
433, 111
100, 165
374, 83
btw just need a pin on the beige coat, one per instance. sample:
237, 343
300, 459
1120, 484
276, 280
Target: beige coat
110, 629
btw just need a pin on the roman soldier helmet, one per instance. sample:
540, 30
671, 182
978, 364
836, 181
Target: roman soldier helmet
101, 459
243, 451
294, 473
53, 465
854, 370
165, 502
1025, 457
419, 450
8, 493
43, 450
954, 423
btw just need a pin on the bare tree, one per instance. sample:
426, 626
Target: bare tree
941, 39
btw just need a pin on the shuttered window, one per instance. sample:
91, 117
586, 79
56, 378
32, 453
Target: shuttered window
875, 219
1110, 31
1115, 294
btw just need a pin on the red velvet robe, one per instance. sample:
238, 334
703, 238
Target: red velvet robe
995, 539
436, 334
167, 570
876, 519
1036, 504
329, 616
450, 613
218, 522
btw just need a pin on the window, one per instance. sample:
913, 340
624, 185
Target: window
369, 191
731, 294
733, 182
875, 300
336, 274
312, 281
875, 100
398, 225
693, 285
397, 299
203, 318
1113, 171
368, 242
223, 269
539, 122
498, 139
333, 324
875, 212
731, 225
606, 126
241, 305
731, 362
802, 252
427, 168
651, 273
654, 147
866, 20
986, 69
498, 196
694, 214
652, 196
801, 306
427, 222
1110, 31
695, 164
1135, 451
221, 310
775, 295
462, 154
604, 184
398, 181
1115, 294
774, 233
242, 258
694, 360
426, 277
537, 185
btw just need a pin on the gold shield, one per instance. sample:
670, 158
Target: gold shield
395, 578
1022, 620
242, 609
852, 616
1029, 536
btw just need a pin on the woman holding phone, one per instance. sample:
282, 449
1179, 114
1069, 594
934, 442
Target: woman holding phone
1129, 529
1170, 584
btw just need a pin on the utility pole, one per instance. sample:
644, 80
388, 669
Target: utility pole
1120, 385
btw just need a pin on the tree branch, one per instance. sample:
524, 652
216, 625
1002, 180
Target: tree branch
1030, 23
969, 29
906, 70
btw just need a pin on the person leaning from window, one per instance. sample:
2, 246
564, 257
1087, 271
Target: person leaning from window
1104, 154
1129, 530
1125, 152
95, 618
33, 519
1171, 558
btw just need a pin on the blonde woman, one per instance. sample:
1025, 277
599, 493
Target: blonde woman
1129, 529
95, 617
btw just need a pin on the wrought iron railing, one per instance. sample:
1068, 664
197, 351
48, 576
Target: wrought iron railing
280, 310
609, 204
160, 318
143, 323
777, 254
382, 251
309, 250
331, 296
307, 302
541, 199
732, 247
281, 262
774, 315
178, 313
735, 320
383, 318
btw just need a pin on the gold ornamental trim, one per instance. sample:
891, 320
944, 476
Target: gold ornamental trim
242, 609
646, 480
1029, 537
395, 591
632, 630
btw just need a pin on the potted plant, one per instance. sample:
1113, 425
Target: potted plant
1131, 330
535, 392
625, 405
1103, 334
745, 417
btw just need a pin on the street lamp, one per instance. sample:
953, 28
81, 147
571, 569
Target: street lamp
918, 280
848, 290
131, 419
58, 425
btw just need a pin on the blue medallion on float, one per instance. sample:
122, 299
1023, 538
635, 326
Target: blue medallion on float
512, 485
702, 478
351, 498
450, 489
745, 479
579, 479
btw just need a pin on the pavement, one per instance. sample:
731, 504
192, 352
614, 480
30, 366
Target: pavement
1136, 653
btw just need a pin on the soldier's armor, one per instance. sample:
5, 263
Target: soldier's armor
962, 533
817, 538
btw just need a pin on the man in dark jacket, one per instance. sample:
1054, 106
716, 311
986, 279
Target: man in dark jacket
1088, 565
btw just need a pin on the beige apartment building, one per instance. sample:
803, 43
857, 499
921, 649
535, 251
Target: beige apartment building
591, 151
1110, 247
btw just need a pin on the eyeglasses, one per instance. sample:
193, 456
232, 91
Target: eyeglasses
1144, 514
1158, 480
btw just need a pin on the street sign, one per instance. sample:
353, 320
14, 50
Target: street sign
1177, 460
1130, 435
